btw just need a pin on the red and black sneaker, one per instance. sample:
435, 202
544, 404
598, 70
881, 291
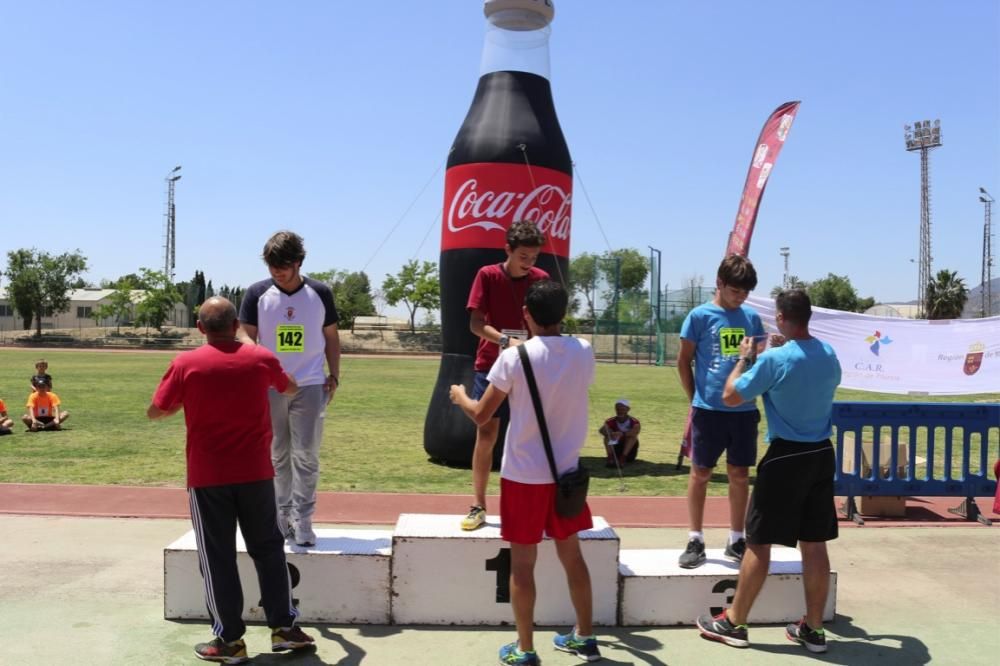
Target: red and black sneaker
233, 652
719, 628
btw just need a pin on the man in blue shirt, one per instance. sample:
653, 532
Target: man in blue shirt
792, 501
710, 338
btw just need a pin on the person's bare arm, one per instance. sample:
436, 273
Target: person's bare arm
730, 396
292, 386
247, 333
685, 356
482, 410
332, 336
154, 412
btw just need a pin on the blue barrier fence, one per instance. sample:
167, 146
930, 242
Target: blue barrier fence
955, 444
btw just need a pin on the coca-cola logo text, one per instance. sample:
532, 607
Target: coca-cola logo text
548, 206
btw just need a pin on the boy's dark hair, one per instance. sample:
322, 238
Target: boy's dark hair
284, 249
524, 234
40, 361
794, 305
737, 271
547, 301
41, 380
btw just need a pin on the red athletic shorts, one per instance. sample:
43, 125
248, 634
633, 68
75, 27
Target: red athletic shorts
528, 510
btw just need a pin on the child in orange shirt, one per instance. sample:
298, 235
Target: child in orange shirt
5, 423
43, 407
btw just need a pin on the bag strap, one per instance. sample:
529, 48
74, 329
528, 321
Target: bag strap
536, 400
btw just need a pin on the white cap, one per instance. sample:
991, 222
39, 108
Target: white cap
519, 14
623, 401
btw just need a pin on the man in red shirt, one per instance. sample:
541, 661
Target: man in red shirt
621, 435
495, 315
229, 477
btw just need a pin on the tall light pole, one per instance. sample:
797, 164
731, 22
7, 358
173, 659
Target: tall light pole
170, 227
923, 137
784, 251
987, 294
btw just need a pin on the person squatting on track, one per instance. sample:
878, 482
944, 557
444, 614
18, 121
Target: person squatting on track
229, 477
710, 337
295, 317
496, 300
792, 499
564, 370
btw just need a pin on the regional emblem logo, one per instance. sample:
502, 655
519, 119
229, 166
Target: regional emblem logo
974, 359
877, 340
290, 313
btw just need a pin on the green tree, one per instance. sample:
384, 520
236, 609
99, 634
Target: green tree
834, 292
233, 294
946, 296
158, 301
416, 286
794, 282
352, 294
39, 283
583, 277
119, 305
633, 271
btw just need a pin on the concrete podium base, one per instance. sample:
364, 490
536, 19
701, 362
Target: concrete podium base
656, 591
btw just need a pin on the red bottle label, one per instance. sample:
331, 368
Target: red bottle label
483, 199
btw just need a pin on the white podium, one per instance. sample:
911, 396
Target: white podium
656, 591
344, 579
444, 575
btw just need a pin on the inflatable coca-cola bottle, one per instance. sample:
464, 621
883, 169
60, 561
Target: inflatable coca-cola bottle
509, 163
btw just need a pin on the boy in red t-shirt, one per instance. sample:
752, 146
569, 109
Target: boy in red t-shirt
5, 423
495, 315
621, 435
43, 407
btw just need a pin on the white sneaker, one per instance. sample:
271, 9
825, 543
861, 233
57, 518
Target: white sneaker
286, 525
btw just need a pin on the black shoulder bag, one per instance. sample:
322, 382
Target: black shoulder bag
571, 488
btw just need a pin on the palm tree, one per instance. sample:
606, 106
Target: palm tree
946, 296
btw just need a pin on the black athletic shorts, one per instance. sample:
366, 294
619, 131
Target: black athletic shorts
792, 499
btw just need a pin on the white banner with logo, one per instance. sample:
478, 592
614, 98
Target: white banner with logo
914, 356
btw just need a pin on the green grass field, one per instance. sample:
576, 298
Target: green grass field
373, 439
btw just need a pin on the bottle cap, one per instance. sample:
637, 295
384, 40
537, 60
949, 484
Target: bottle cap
519, 14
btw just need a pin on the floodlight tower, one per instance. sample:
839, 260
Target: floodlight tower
987, 253
924, 137
170, 226
784, 251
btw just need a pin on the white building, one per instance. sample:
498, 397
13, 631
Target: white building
82, 303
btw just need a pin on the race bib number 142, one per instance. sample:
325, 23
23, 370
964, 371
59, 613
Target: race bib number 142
291, 337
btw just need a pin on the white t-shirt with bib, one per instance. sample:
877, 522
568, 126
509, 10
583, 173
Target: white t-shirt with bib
564, 370
291, 325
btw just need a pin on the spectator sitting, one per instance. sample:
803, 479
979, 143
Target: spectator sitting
43, 408
5, 423
621, 435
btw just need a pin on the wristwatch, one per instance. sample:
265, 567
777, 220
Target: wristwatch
504, 341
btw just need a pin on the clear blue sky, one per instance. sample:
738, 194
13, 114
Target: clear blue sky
329, 117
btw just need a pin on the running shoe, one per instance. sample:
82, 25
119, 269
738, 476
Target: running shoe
511, 654
234, 652
289, 638
693, 556
304, 535
584, 648
813, 639
735, 551
475, 519
719, 628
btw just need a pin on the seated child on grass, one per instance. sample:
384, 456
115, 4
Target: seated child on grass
621, 435
5, 423
43, 408
41, 371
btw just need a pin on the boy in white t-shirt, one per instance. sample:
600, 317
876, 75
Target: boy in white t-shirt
564, 369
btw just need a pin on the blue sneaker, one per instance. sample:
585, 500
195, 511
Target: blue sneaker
584, 648
511, 654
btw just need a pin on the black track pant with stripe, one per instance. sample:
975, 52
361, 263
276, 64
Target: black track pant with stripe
215, 511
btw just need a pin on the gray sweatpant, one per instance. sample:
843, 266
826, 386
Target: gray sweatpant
297, 422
